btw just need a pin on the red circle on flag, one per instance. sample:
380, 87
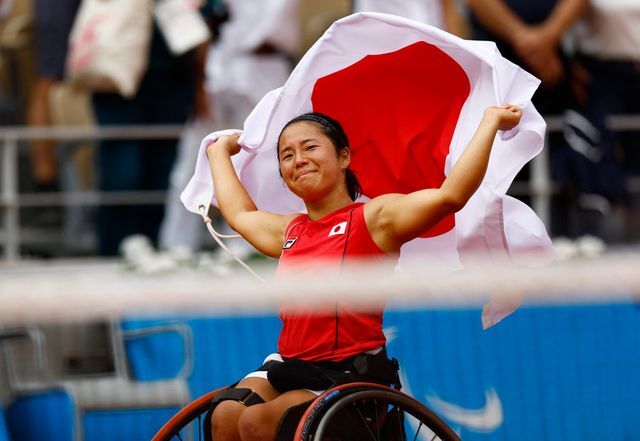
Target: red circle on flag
399, 111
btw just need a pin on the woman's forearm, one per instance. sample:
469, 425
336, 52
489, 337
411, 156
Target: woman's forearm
564, 14
232, 197
452, 18
469, 170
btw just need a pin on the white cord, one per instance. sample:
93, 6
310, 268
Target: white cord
207, 220
218, 238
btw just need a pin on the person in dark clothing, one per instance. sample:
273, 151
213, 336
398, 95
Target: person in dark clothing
167, 95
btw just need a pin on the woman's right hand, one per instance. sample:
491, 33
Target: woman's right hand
506, 117
228, 143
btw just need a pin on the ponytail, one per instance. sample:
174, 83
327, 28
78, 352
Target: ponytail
353, 185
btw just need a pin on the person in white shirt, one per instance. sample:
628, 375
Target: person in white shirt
606, 82
252, 55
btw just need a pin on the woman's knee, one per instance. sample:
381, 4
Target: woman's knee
224, 420
258, 423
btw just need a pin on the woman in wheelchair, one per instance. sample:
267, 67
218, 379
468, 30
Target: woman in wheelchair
319, 349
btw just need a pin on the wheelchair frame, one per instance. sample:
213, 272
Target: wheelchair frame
317, 418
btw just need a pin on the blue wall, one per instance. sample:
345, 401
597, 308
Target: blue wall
545, 373
565, 373
570, 373
124, 424
4, 435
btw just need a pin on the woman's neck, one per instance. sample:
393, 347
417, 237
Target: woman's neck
322, 206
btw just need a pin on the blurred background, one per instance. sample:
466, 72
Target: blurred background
92, 163
86, 165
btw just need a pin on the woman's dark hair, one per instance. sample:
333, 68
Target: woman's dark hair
334, 131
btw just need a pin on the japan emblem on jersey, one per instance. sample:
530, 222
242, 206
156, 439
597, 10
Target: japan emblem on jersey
340, 228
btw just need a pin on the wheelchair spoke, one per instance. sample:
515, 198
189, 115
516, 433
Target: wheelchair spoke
418, 431
375, 412
364, 421
400, 422
342, 419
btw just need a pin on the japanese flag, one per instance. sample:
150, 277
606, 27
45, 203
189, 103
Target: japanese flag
409, 97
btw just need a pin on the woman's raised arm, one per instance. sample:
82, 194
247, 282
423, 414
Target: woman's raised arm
394, 219
263, 230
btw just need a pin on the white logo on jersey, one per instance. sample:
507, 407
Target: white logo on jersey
289, 243
340, 228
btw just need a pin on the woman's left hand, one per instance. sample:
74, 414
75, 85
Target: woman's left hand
506, 117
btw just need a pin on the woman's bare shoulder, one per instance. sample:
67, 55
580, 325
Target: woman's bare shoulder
378, 202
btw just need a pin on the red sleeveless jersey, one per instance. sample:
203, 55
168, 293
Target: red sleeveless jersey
338, 332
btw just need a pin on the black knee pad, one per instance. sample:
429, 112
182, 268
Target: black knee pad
241, 395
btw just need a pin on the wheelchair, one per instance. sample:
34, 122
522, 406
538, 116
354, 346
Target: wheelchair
349, 412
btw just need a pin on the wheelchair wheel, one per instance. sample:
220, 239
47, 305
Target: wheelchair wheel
370, 411
187, 424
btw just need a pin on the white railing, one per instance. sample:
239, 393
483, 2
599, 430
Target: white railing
540, 185
11, 200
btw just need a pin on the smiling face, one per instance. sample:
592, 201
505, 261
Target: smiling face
309, 163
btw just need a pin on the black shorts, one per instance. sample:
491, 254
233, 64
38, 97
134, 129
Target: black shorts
293, 374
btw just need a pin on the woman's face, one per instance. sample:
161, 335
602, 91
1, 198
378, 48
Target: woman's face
310, 166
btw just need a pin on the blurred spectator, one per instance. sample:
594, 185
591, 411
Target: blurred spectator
606, 82
166, 95
251, 56
5, 7
16, 59
53, 21
442, 14
316, 17
529, 33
